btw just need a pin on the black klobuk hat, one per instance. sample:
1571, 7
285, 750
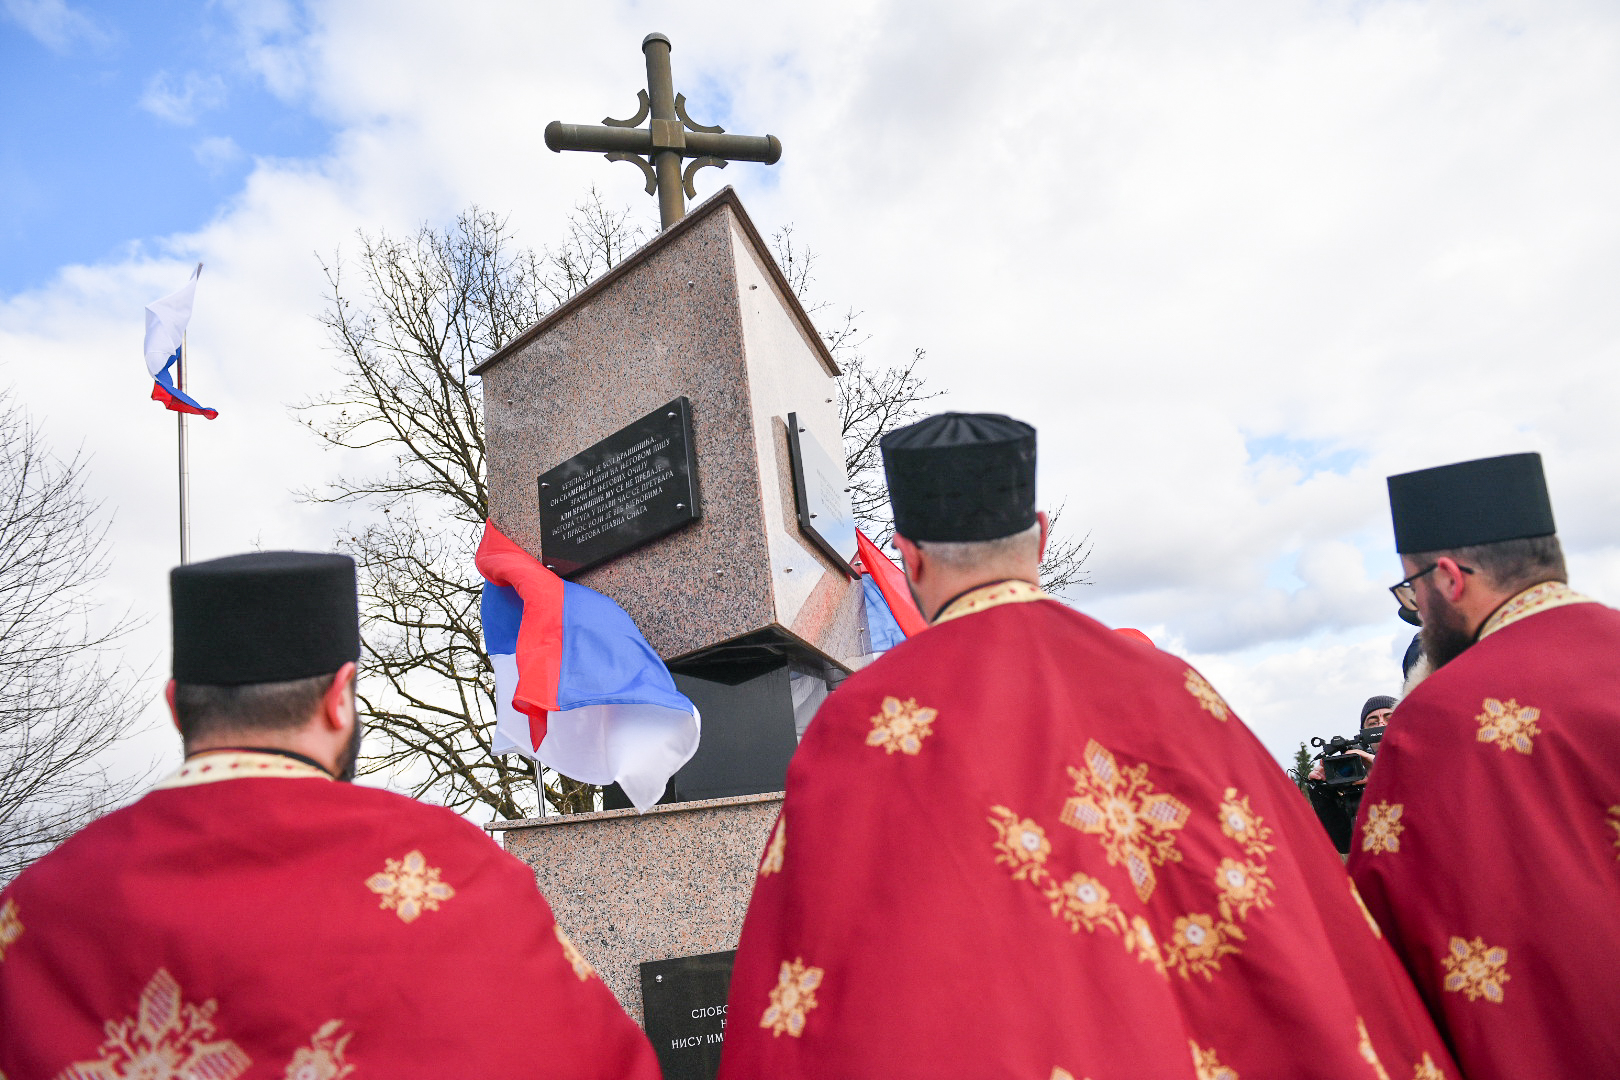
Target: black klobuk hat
1471, 502
270, 616
961, 477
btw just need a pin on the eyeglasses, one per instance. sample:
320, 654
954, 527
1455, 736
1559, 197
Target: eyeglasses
1407, 594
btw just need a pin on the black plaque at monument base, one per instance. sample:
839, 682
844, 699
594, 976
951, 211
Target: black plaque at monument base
634, 486
684, 1001
748, 732
756, 694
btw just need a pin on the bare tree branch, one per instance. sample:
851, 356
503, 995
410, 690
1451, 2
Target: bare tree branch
424, 311
61, 704
874, 400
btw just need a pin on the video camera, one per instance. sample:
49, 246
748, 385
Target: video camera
1340, 768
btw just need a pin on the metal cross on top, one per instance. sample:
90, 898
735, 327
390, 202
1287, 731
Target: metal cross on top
659, 147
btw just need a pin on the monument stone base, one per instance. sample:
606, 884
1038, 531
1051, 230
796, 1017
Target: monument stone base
630, 888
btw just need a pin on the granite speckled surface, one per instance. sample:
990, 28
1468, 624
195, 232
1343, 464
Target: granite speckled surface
699, 311
630, 887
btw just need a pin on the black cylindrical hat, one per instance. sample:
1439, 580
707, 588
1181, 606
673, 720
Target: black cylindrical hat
961, 477
1471, 502
270, 616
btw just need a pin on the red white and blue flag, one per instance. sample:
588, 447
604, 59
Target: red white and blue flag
891, 612
577, 688
166, 321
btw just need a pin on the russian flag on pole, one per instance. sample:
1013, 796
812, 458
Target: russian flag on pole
890, 610
577, 687
166, 321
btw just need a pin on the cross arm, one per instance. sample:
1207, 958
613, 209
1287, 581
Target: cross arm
610, 140
606, 140
762, 148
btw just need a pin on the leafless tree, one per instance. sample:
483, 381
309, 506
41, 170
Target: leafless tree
62, 703
425, 310
874, 399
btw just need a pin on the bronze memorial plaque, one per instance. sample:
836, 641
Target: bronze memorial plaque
636, 485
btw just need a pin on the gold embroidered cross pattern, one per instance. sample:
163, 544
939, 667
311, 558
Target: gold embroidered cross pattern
792, 997
1475, 970
409, 886
1383, 829
576, 959
901, 725
1206, 1066
1509, 725
1208, 698
1135, 823
11, 926
166, 1039
323, 1058
776, 850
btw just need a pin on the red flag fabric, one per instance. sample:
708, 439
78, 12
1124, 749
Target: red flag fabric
1021, 845
1488, 842
279, 924
540, 635
891, 582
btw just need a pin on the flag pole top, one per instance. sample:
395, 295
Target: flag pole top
652, 37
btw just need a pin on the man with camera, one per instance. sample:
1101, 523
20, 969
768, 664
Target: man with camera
1335, 785
1488, 845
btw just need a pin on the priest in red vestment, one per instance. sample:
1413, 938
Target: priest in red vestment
1022, 845
1488, 843
256, 917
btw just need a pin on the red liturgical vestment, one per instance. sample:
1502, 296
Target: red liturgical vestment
280, 925
1021, 845
1488, 844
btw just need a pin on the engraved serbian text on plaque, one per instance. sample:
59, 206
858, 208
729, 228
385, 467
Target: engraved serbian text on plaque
634, 486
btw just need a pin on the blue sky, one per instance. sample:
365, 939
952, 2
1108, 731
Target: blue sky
128, 123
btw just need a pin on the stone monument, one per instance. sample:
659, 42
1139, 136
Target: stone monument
671, 437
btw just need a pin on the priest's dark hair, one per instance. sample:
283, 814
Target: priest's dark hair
1509, 565
969, 554
206, 711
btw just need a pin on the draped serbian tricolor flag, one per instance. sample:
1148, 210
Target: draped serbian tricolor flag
890, 610
166, 321
577, 687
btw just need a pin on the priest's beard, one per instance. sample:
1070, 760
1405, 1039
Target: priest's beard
915, 599
349, 762
1444, 634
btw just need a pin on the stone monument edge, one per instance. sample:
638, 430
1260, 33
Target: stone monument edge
726, 196
514, 824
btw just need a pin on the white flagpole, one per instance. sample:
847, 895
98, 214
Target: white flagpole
185, 472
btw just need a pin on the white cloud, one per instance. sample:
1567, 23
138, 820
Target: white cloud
181, 100
1237, 261
55, 25
216, 153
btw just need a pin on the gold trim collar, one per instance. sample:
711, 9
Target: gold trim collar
1533, 601
986, 597
240, 765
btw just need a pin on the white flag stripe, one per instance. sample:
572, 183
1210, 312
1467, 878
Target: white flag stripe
166, 321
511, 726
637, 746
